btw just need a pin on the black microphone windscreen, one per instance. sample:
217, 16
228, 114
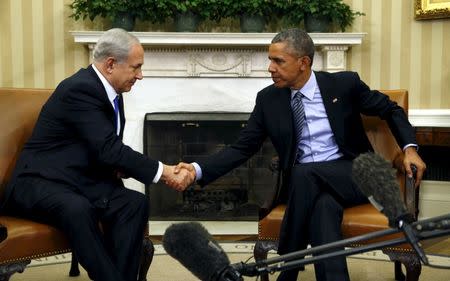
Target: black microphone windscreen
192, 245
377, 180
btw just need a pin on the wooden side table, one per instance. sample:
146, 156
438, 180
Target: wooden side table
434, 149
433, 136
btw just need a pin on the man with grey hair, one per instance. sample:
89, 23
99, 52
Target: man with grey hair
313, 119
69, 172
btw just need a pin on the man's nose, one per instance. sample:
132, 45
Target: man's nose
139, 75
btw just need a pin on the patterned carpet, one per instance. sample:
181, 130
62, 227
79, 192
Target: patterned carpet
371, 266
438, 253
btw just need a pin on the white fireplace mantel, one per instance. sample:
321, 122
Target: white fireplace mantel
197, 54
219, 39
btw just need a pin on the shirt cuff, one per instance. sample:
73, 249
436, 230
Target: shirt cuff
158, 173
410, 144
198, 171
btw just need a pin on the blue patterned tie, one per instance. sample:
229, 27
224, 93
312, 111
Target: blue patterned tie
298, 113
116, 111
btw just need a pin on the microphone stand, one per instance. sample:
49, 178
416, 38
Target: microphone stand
296, 259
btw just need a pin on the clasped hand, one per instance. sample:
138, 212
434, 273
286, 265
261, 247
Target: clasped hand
178, 177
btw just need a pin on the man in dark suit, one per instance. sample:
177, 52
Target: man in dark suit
69, 173
313, 120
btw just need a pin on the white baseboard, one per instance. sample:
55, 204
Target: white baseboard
213, 227
429, 117
434, 199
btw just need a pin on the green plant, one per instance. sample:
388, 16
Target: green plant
255, 7
203, 9
82, 9
218, 9
338, 12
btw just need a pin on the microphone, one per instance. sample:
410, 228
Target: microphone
192, 245
376, 179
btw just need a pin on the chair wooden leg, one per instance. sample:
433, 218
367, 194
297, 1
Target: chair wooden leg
262, 247
74, 268
399, 276
6, 270
146, 258
409, 260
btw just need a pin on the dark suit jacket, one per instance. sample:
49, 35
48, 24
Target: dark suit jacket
74, 141
345, 97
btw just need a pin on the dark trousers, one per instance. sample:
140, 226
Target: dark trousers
318, 194
108, 254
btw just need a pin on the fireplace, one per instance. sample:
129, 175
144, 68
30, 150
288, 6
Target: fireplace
190, 136
207, 72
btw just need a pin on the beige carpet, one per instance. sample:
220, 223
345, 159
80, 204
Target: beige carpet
366, 267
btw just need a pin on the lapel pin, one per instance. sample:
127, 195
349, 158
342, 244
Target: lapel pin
335, 100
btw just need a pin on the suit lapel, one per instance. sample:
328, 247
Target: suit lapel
104, 97
285, 111
285, 123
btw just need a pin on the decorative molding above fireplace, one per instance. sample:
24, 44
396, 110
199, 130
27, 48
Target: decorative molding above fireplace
219, 39
181, 54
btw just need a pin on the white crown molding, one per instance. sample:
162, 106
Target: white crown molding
219, 39
199, 54
429, 117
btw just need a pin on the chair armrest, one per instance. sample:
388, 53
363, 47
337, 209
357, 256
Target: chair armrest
411, 193
3, 232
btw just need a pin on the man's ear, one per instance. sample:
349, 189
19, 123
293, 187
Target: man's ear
305, 62
109, 62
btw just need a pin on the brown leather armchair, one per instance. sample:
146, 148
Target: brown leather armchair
21, 239
360, 219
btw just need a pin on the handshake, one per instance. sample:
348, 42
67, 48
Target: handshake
178, 177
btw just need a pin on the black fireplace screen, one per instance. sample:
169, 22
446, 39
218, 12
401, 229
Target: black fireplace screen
185, 136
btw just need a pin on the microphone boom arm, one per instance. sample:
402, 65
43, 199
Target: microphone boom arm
296, 259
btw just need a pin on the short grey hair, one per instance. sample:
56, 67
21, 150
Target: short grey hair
115, 43
298, 41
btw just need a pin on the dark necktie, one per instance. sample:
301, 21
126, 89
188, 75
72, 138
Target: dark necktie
298, 113
116, 111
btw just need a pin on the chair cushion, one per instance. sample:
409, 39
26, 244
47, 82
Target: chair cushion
28, 240
269, 226
363, 219
358, 220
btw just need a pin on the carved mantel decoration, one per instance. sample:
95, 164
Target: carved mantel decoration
180, 54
